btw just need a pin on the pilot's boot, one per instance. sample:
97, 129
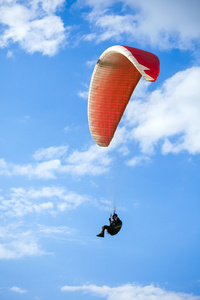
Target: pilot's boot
101, 234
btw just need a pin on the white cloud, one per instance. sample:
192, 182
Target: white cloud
18, 290
32, 24
170, 116
171, 24
130, 292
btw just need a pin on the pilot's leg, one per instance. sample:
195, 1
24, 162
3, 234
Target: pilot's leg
101, 234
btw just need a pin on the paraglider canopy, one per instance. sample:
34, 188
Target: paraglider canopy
114, 79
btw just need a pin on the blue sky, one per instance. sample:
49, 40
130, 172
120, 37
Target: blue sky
57, 187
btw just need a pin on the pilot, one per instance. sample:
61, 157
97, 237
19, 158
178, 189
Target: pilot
113, 228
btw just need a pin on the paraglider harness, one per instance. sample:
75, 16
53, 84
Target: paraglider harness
115, 225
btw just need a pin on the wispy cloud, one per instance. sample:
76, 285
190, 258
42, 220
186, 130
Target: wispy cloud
19, 239
18, 290
50, 153
129, 292
91, 63
16, 243
83, 94
139, 160
55, 232
20, 201
10, 54
111, 26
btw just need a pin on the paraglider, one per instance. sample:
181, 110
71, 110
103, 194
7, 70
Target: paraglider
114, 79
115, 76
